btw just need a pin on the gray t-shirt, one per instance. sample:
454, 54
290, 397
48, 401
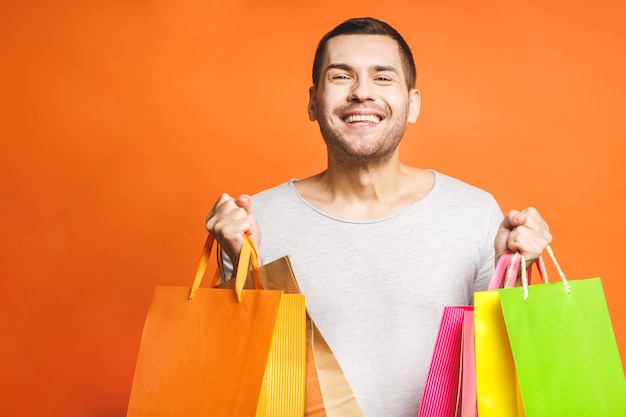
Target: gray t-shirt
376, 289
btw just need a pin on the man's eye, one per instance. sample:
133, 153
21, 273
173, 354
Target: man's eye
383, 78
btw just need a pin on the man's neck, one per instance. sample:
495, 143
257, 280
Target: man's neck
366, 193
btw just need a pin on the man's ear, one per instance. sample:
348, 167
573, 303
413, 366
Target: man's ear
415, 103
312, 104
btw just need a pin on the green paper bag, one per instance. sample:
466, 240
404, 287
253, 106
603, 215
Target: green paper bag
564, 349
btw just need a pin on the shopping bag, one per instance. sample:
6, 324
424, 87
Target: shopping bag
440, 397
450, 389
328, 393
468, 368
497, 392
219, 352
565, 352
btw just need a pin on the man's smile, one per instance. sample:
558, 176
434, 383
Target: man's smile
362, 119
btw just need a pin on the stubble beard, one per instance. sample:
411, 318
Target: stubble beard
372, 156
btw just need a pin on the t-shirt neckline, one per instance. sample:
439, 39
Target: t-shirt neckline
411, 207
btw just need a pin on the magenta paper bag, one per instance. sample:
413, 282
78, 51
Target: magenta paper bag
445, 391
468, 368
441, 392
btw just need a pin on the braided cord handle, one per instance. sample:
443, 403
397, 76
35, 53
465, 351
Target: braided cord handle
544, 273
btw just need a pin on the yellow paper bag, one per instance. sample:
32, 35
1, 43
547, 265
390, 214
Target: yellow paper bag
497, 390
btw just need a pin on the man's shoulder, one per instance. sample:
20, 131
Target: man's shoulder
454, 188
450, 182
274, 194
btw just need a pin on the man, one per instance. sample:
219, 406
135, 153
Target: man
377, 246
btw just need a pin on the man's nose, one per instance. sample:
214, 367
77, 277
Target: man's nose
362, 90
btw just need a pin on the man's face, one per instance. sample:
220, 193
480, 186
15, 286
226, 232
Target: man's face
361, 102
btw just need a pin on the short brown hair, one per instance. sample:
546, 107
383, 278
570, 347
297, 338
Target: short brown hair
367, 26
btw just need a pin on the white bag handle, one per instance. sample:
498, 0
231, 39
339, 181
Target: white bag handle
545, 275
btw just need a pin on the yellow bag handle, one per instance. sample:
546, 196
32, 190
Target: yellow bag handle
249, 256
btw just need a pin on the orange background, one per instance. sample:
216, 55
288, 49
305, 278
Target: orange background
122, 122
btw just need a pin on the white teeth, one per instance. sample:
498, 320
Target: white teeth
362, 118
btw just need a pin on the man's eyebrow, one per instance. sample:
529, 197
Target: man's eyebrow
384, 68
377, 68
344, 67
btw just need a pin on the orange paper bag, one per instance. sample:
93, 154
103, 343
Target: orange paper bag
221, 352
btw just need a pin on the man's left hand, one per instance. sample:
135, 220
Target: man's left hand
525, 232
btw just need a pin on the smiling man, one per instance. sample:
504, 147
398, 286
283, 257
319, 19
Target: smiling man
378, 247
362, 104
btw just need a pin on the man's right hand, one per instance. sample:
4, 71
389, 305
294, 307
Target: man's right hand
229, 221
